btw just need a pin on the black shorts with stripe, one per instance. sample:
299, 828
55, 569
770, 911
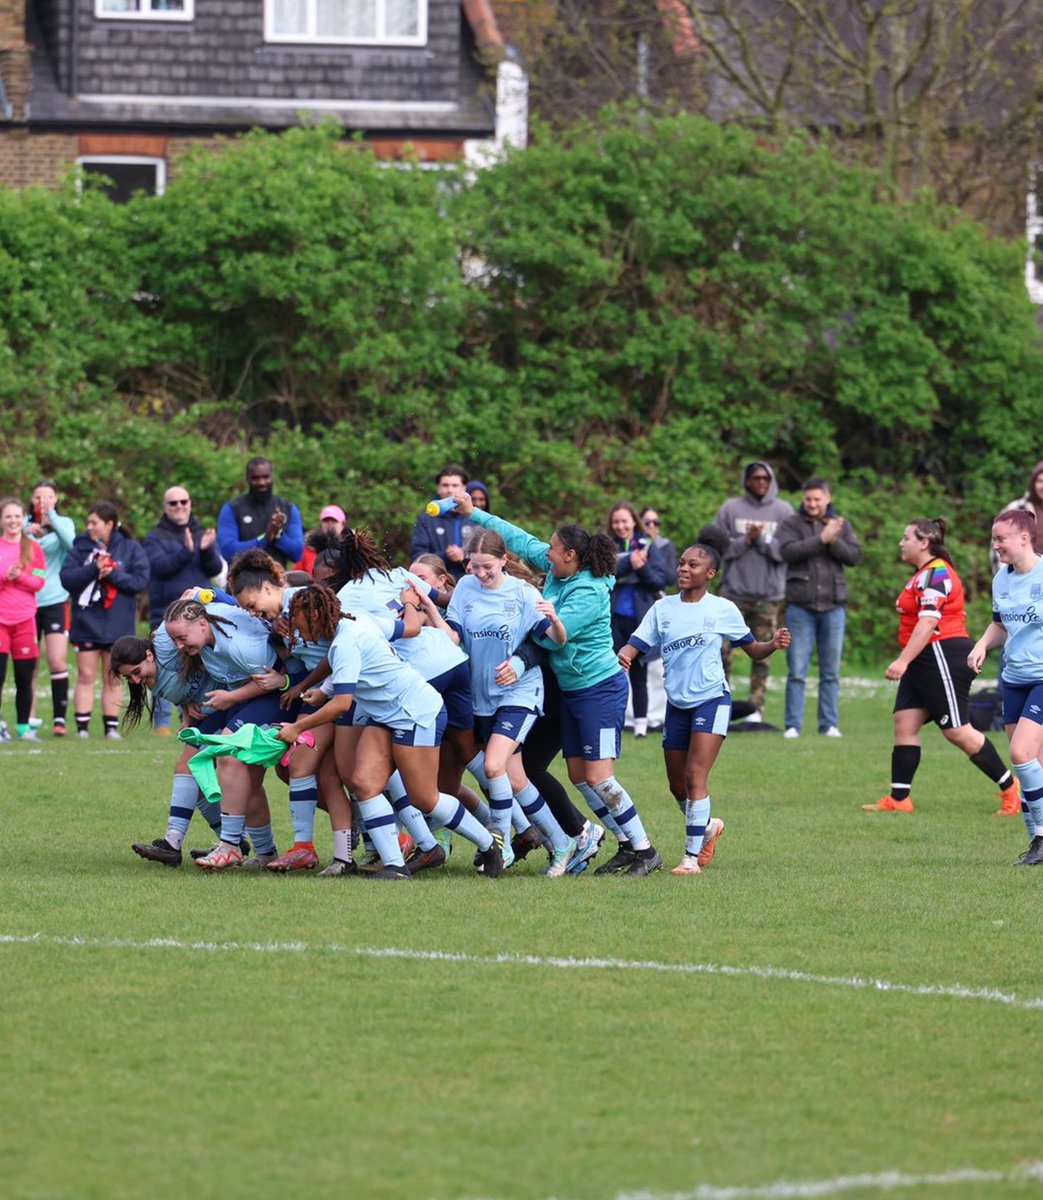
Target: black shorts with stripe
939, 680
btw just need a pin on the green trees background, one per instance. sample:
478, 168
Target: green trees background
628, 309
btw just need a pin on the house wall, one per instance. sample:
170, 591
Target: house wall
222, 53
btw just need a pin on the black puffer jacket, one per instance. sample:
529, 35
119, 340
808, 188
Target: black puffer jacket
815, 569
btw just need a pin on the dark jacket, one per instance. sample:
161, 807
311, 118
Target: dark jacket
431, 535
646, 585
242, 524
815, 569
104, 610
173, 567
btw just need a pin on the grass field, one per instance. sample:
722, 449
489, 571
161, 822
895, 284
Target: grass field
168, 1033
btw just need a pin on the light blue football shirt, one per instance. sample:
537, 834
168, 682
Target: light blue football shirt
1017, 604
493, 623
690, 636
387, 690
241, 648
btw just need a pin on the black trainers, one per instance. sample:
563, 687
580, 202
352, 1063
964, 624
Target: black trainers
391, 871
422, 860
622, 860
490, 862
244, 849
160, 851
1033, 856
645, 862
528, 839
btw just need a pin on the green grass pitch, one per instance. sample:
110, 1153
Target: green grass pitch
167, 1033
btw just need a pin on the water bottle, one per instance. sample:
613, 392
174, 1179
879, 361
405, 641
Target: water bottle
438, 508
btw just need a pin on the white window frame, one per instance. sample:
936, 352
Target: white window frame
147, 13
1033, 233
310, 37
119, 160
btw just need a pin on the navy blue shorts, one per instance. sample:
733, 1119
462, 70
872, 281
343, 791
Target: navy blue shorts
1022, 700
513, 723
261, 710
592, 719
712, 716
455, 689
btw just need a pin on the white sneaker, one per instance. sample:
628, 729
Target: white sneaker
791, 733
113, 735
754, 718
832, 731
640, 727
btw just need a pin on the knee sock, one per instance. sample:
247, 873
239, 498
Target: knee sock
452, 814
379, 819
232, 829
904, 761
988, 761
60, 696
304, 799
537, 809
23, 695
184, 795
261, 836
477, 768
408, 815
358, 823
1030, 775
600, 810
519, 817
696, 818
624, 811
110, 723
82, 721
211, 812
501, 803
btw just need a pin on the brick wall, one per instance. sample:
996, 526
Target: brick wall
39, 159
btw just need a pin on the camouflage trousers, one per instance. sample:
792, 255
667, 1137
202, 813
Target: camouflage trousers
763, 618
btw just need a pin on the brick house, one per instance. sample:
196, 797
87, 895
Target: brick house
123, 86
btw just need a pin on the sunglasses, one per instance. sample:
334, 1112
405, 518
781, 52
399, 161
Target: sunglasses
178, 503
650, 521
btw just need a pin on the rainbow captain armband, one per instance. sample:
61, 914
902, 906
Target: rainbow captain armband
438, 508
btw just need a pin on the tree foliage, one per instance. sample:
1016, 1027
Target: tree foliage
632, 308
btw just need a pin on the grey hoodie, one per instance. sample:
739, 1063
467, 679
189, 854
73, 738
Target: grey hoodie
753, 572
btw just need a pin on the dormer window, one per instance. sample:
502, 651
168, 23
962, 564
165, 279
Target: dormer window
145, 10
354, 22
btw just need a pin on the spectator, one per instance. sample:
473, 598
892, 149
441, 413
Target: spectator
479, 494
642, 572
55, 534
754, 573
104, 573
332, 523
181, 554
650, 520
260, 518
816, 546
444, 535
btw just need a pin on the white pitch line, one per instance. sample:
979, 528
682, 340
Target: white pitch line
888, 1181
857, 982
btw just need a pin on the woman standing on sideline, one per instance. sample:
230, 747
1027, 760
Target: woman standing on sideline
933, 676
1017, 625
105, 572
55, 534
580, 570
642, 571
21, 578
689, 629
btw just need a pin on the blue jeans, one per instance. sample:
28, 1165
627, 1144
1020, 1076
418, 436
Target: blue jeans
810, 629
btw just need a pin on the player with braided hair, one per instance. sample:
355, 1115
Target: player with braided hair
581, 572
397, 724
260, 586
689, 628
